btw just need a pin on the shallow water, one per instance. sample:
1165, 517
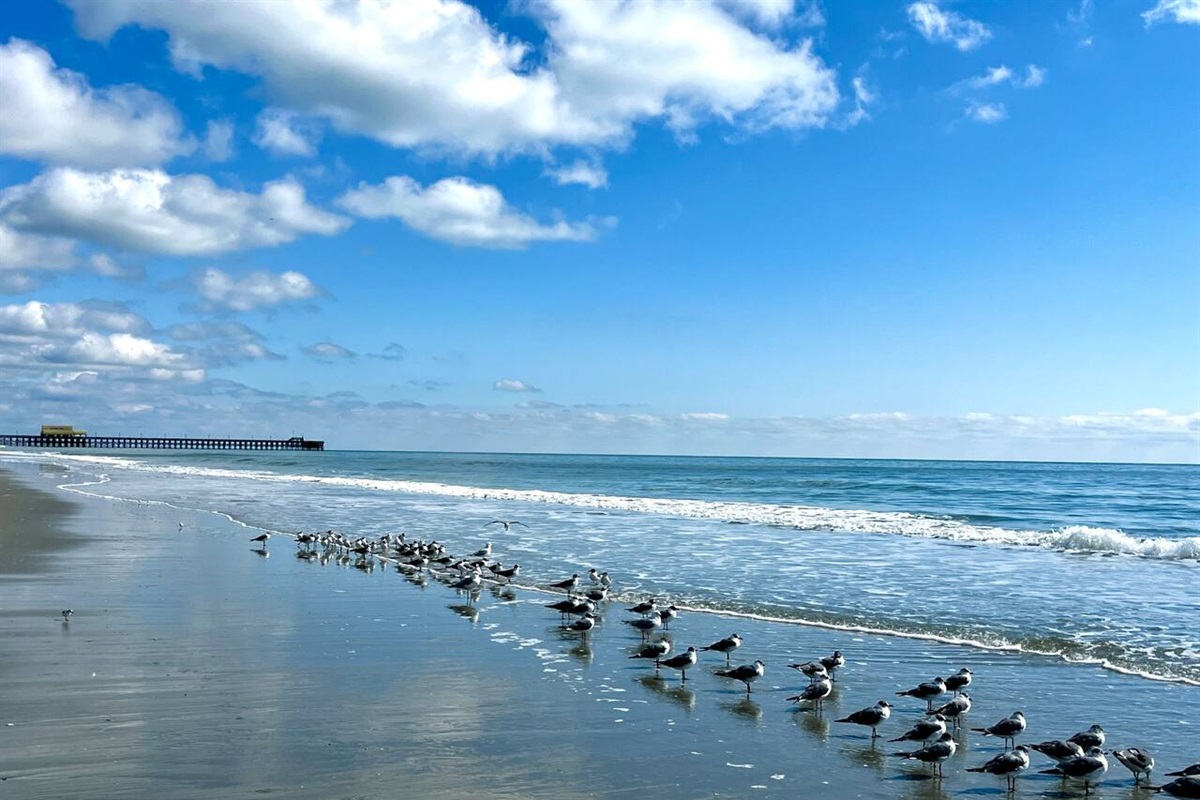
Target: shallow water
1047, 558
196, 667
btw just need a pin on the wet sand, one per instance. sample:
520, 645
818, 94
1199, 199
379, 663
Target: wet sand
197, 667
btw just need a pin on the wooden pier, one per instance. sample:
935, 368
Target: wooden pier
157, 443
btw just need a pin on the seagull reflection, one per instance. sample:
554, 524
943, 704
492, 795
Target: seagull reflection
503, 593
677, 693
925, 787
869, 755
261, 551
465, 611
745, 708
416, 578
814, 724
581, 651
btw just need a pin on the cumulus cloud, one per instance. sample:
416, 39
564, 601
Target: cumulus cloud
511, 385
585, 173
150, 211
328, 352
938, 25
218, 140
435, 74
52, 114
986, 113
22, 253
704, 416
1185, 12
282, 134
38, 320
459, 211
261, 289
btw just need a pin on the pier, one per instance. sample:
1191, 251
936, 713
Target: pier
73, 442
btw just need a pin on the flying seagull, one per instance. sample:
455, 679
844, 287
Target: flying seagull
507, 523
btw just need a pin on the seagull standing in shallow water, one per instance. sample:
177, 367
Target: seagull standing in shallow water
814, 693
654, 651
1007, 765
261, 538
934, 753
959, 680
682, 662
746, 673
872, 717
726, 646
1007, 729
1137, 761
1087, 768
926, 730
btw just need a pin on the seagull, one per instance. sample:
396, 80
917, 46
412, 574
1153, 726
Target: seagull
1183, 786
746, 673
833, 663
1136, 760
1087, 768
726, 646
953, 709
666, 615
594, 576
1194, 769
508, 574
926, 730
814, 670
1094, 736
926, 691
1007, 729
582, 625
507, 523
482, 552
644, 624
598, 594
959, 681
1007, 764
814, 693
934, 753
469, 583
262, 537
872, 717
644, 607
605, 580
654, 651
66, 614
568, 585
682, 662
1057, 749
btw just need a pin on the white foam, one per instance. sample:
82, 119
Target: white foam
1077, 538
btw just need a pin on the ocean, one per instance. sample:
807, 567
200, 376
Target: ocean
1091, 563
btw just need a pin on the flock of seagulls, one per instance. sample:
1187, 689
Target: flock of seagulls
1080, 758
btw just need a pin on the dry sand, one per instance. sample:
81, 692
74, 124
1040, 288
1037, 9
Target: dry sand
195, 667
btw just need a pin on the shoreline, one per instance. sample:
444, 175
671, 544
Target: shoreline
196, 667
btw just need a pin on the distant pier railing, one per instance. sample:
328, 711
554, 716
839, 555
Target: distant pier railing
158, 443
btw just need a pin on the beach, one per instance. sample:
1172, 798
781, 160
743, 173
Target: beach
196, 665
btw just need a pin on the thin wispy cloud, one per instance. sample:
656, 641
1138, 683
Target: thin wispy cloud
942, 26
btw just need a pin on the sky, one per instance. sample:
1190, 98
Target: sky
713, 227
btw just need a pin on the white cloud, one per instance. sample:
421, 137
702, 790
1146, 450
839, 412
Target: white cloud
218, 140
65, 320
987, 113
704, 416
150, 211
459, 211
1181, 11
770, 13
435, 74
53, 115
328, 352
937, 25
256, 290
20, 251
1034, 77
281, 134
585, 173
510, 385
864, 97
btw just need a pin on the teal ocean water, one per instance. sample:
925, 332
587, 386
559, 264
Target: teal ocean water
1096, 563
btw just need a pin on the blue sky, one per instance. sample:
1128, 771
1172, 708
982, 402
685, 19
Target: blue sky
929, 230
